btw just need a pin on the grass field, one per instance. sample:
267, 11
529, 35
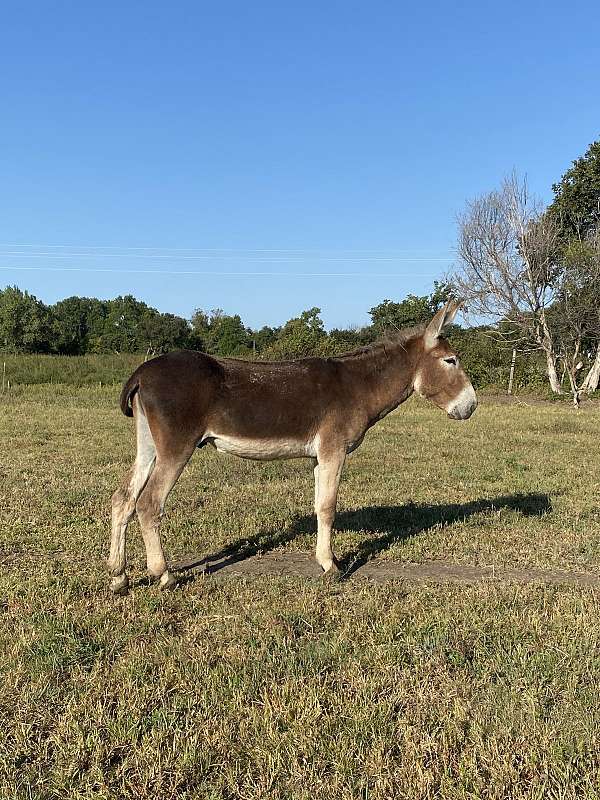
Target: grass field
283, 688
94, 369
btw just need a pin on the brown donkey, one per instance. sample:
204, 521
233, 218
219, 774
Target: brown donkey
318, 408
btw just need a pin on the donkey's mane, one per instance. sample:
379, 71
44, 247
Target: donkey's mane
389, 340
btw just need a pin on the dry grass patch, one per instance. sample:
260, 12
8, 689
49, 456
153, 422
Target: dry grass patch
284, 688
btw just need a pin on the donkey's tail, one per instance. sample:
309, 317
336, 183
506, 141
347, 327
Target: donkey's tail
127, 394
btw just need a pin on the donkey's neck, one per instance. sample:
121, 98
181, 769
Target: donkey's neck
384, 375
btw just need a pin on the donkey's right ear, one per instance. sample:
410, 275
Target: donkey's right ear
443, 318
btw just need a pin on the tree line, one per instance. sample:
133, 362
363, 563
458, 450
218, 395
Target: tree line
83, 326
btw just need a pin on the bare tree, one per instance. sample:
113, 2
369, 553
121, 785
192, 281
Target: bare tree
592, 379
507, 267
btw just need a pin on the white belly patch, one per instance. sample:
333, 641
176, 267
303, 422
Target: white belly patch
261, 449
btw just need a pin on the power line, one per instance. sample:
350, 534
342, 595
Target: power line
219, 273
222, 249
252, 260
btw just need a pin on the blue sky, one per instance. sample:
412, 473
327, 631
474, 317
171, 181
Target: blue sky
296, 139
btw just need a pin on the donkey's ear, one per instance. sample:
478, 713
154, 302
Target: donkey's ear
445, 316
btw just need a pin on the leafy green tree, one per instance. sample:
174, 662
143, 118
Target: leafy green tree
264, 338
299, 337
221, 334
576, 208
201, 329
577, 195
160, 333
343, 340
24, 322
229, 337
390, 315
121, 329
77, 323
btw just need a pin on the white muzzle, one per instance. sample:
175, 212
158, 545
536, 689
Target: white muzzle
464, 405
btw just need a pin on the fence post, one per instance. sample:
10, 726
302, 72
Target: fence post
512, 371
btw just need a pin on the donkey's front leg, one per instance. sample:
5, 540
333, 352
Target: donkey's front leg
327, 480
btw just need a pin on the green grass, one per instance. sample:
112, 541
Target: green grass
101, 368
282, 687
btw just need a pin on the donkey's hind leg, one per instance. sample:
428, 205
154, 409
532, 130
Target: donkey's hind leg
124, 500
150, 509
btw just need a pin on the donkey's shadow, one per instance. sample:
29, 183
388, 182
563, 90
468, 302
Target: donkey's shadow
386, 525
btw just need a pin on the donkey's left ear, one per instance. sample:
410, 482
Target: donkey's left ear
443, 318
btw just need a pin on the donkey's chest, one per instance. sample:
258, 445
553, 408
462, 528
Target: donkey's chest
261, 449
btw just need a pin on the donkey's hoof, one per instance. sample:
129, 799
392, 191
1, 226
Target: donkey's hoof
167, 581
333, 574
120, 585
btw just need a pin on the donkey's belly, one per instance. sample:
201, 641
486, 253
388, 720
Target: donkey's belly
262, 449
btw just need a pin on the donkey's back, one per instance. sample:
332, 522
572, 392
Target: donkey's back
208, 397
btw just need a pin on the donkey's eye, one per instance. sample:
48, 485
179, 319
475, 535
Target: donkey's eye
450, 360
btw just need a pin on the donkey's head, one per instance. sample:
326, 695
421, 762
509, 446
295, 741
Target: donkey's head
438, 375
